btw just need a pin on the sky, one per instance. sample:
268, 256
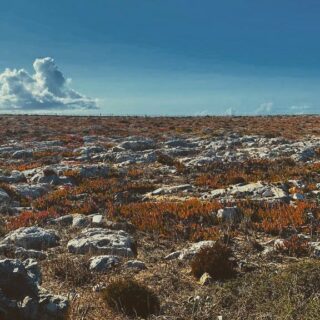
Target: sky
160, 57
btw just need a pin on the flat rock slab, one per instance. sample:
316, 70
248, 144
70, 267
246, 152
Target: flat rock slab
32, 238
31, 191
190, 252
103, 241
103, 263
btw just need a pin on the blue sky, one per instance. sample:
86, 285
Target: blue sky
163, 56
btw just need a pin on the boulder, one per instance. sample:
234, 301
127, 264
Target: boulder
21, 297
137, 145
14, 177
31, 191
32, 238
103, 241
50, 176
22, 154
94, 171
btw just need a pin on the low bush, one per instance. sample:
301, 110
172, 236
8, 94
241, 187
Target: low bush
131, 298
30, 218
74, 271
215, 260
296, 247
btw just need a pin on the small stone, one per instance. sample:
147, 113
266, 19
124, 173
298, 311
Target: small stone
280, 244
205, 279
173, 255
298, 196
80, 221
229, 214
97, 219
136, 264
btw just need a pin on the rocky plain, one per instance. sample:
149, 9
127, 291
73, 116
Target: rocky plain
207, 217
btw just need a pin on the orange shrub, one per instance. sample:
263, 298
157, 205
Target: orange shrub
282, 216
296, 247
29, 218
219, 175
190, 219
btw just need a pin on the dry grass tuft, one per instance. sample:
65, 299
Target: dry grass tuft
72, 270
131, 298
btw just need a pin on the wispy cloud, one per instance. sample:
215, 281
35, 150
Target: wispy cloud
300, 109
46, 89
265, 108
229, 112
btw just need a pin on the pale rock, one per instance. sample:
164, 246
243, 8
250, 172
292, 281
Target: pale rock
103, 263
229, 214
103, 241
205, 279
32, 238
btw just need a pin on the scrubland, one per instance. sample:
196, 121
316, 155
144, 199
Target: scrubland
162, 217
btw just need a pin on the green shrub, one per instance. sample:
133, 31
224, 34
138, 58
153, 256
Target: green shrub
131, 298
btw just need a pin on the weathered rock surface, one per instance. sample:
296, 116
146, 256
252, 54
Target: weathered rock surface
188, 253
103, 241
229, 214
137, 145
172, 189
103, 263
135, 264
21, 297
14, 177
35, 238
31, 191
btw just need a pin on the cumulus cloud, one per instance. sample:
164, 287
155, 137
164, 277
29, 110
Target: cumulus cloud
46, 89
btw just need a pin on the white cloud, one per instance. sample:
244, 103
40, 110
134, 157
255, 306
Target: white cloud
229, 112
300, 109
46, 89
265, 108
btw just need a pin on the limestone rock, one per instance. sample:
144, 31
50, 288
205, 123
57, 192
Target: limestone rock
103, 241
32, 238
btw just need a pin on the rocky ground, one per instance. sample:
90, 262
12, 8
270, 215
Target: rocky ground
85, 201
